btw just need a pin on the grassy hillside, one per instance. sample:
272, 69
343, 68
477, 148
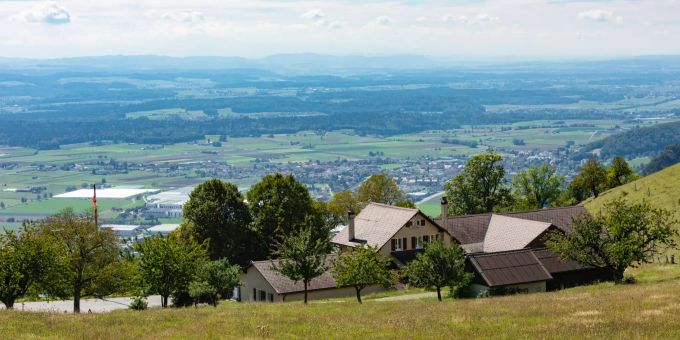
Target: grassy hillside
662, 189
648, 309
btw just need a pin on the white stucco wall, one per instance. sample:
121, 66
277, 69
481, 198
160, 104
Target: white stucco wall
253, 279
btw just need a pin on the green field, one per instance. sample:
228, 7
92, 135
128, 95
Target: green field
660, 189
283, 149
645, 310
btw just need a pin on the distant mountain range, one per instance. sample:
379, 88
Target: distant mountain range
310, 63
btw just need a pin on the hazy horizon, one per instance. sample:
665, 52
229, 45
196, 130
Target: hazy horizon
466, 29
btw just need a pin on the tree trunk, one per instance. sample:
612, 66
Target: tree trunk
617, 275
9, 303
358, 294
76, 298
305, 284
439, 293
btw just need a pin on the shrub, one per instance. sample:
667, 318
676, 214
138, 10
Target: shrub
139, 303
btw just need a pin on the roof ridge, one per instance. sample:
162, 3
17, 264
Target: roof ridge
394, 206
501, 252
513, 212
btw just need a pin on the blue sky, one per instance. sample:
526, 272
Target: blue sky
254, 28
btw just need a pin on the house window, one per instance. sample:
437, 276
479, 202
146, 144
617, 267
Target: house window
398, 244
422, 223
419, 242
409, 224
263, 295
271, 297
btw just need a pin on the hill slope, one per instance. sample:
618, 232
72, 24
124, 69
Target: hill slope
662, 189
644, 141
598, 311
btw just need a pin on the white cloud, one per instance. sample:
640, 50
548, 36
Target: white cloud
597, 15
383, 20
315, 14
47, 13
478, 19
184, 16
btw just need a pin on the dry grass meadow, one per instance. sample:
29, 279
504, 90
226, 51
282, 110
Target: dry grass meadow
647, 309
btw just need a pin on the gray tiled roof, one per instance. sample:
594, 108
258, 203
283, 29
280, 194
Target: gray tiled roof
510, 233
284, 285
509, 268
375, 225
554, 264
472, 228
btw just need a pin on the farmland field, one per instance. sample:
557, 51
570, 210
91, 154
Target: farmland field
183, 164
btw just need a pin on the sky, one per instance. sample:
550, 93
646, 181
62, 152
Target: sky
556, 29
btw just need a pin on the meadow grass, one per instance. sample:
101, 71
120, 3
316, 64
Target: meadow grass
647, 309
660, 189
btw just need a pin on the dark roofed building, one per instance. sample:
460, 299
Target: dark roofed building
473, 228
568, 273
518, 270
262, 283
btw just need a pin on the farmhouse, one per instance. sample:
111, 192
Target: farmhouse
261, 283
397, 233
508, 251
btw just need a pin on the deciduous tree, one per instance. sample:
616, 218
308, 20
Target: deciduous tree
168, 265
90, 254
282, 206
619, 172
439, 266
626, 234
480, 188
216, 213
303, 257
27, 258
538, 186
362, 267
214, 279
380, 188
590, 181
343, 202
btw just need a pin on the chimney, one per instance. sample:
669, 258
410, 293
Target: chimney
350, 225
445, 211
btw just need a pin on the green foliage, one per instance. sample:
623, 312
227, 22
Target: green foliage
538, 186
380, 188
361, 267
139, 303
590, 181
168, 265
27, 259
90, 254
281, 206
303, 257
343, 202
202, 289
213, 280
669, 156
439, 266
619, 173
217, 213
480, 188
626, 234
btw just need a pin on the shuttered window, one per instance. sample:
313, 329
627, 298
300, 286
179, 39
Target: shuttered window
413, 242
404, 243
394, 244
